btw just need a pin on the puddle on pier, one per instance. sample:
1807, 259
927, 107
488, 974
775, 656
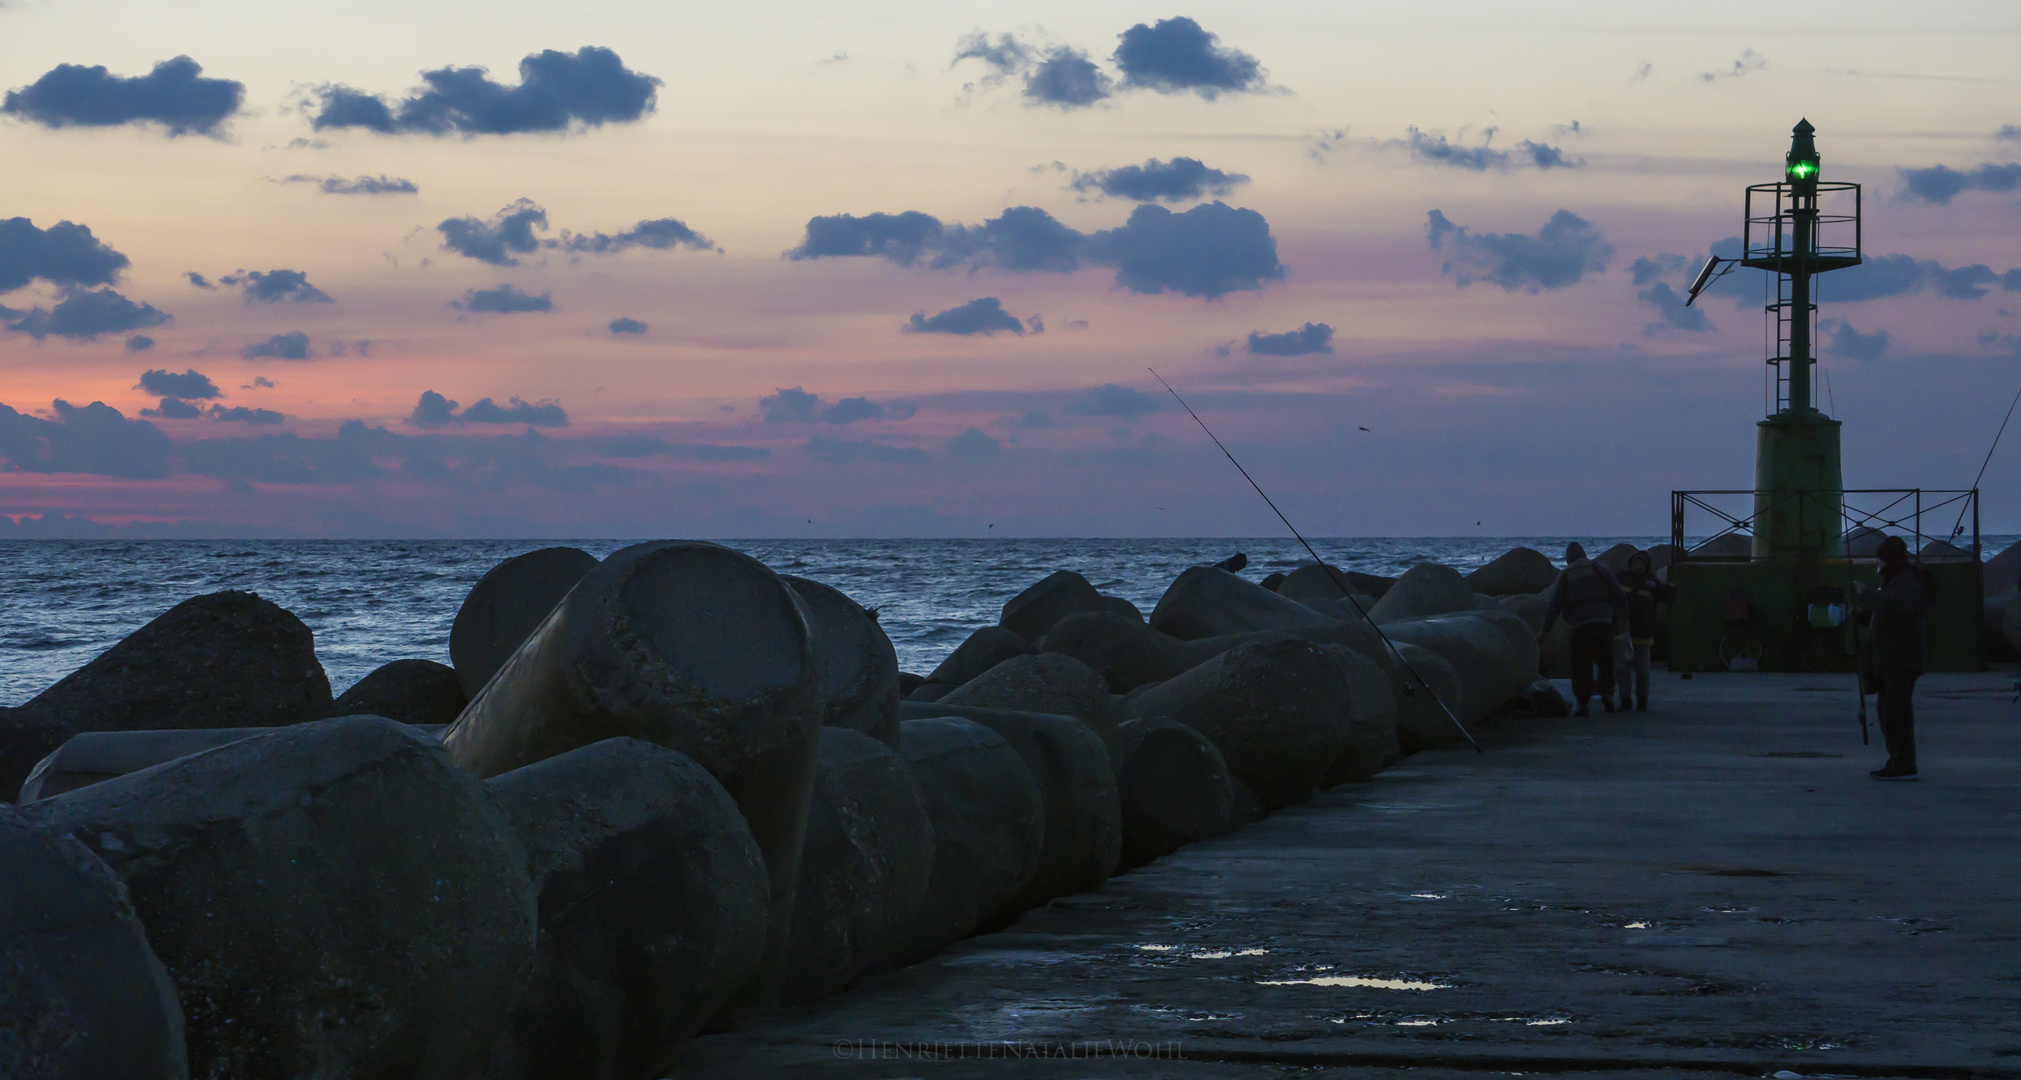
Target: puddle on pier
1361, 981
1416, 1020
1193, 953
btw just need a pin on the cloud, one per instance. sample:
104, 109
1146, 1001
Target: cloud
1434, 149
139, 343
1175, 56
243, 415
973, 445
1304, 341
84, 314
495, 241
981, 316
2008, 132
834, 451
1642, 72
1208, 251
793, 405
1648, 274
64, 254
1548, 157
1109, 399
1748, 63
1898, 275
1562, 253
637, 446
191, 384
850, 410
1939, 183
1182, 180
95, 438
659, 234
1005, 56
1848, 343
503, 300
174, 409
274, 286
1066, 79
627, 326
1036, 418
557, 91
900, 238
435, 411
173, 95
198, 280
293, 345
363, 185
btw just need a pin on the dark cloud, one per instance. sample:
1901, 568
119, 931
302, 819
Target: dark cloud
1849, 344
1304, 341
1434, 149
1023, 238
1210, 250
627, 326
174, 95
293, 345
1652, 277
288, 458
792, 405
1066, 79
503, 300
1005, 56
835, 451
2008, 131
1939, 184
139, 343
495, 241
973, 445
362, 185
659, 234
1175, 55
1562, 253
198, 280
83, 314
851, 409
243, 415
174, 409
638, 446
191, 384
898, 237
95, 438
260, 382
1748, 63
1182, 180
1898, 275
980, 316
64, 254
275, 286
557, 91
1109, 399
2011, 280
1036, 418
434, 411
1544, 156
362, 347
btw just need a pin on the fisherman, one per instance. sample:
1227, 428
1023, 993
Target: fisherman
1898, 625
1644, 592
1594, 608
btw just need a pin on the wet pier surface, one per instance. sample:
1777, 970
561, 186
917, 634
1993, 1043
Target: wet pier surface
1715, 887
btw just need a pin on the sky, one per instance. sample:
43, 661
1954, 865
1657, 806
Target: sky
904, 269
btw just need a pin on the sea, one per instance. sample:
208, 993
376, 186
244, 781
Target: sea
373, 601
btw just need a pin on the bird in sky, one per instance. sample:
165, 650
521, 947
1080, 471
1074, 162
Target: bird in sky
1362, 428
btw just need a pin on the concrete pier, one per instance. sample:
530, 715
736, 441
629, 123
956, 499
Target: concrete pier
1713, 888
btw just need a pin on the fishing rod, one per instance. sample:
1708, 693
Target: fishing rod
1338, 583
1960, 524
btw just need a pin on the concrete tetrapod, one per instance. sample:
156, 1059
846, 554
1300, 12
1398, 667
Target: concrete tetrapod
98, 756
689, 645
1424, 589
984, 649
652, 910
1207, 601
228, 659
1277, 709
1046, 683
331, 899
2010, 625
1174, 789
1515, 572
1420, 723
989, 828
410, 691
858, 666
868, 856
81, 994
1032, 612
506, 605
1123, 651
1493, 653
1371, 720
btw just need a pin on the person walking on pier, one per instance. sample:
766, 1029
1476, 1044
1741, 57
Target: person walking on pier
1644, 592
1898, 626
1594, 608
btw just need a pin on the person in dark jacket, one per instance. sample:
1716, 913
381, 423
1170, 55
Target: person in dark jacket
1594, 607
1644, 592
1898, 627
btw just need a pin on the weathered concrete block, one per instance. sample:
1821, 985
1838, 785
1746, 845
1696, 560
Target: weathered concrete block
331, 899
1493, 653
1206, 601
506, 605
1116, 605
1517, 571
857, 666
410, 691
1083, 812
1032, 612
685, 644
1420, 684
229, 659
1173, 787
653, 906
1124, 652
1371, 719
989, 827
1046, 683
98, 756
984, 649
2001, 572
82, 996
1424, 589
869, 855
1277, 709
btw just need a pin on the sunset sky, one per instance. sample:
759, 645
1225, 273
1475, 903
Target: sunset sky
872, 268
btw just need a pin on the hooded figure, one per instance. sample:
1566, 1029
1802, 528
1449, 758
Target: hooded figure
1898, 625
1644, 592
1593, 606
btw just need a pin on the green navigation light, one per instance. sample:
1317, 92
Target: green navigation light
1802, 169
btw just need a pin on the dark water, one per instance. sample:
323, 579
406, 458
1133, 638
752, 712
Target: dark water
371, 601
